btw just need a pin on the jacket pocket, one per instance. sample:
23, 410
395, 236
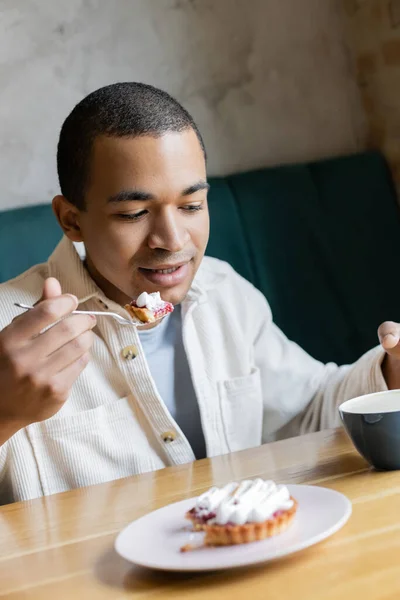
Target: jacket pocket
242, 410
91, 447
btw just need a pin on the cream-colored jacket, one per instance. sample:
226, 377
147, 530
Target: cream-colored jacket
252, 384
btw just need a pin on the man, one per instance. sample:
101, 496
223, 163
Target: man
213, 377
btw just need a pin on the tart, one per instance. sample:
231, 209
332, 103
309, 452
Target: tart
149, 307
251, 511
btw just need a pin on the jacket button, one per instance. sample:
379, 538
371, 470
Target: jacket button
168, 436
130, 352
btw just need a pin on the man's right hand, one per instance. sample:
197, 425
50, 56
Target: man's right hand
38, 371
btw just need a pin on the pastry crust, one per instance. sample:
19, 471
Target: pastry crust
143, 314
227, 535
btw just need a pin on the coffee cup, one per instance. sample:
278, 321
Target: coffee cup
373, 424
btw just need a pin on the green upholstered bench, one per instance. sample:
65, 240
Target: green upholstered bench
321, 241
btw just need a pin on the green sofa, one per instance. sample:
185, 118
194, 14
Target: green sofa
320, 240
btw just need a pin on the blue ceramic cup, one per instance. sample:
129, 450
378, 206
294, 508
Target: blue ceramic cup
373, 424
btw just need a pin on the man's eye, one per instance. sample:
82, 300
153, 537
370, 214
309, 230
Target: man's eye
132, 216
192, 207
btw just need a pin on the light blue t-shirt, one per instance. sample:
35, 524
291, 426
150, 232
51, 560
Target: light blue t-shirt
166, 356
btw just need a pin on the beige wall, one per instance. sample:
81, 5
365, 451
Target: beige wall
268, 81
373, 35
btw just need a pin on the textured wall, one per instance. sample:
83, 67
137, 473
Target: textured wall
373, 34
267, 80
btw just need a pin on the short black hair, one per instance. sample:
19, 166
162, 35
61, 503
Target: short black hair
126, 109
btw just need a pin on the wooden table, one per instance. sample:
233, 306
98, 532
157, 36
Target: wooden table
61, 547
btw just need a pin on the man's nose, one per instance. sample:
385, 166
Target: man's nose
168, 233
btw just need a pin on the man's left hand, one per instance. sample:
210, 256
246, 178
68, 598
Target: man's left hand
389, 337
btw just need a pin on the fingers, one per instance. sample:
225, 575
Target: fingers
63, 333
69, 354
51, 289
389, 337
46, 313
59, 386
66, 378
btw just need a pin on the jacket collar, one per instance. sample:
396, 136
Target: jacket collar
67, 266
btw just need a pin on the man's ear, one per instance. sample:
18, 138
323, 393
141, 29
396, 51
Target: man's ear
68, 217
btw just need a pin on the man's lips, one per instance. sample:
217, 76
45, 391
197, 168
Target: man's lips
164, 267
166, 275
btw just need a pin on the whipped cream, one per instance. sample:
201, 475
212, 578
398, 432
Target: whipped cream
251, 501
209, 501
150, 301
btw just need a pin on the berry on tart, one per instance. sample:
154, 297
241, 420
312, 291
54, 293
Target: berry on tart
241, 513
149, 307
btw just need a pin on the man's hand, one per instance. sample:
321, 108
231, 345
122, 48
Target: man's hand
38, 371
389, 337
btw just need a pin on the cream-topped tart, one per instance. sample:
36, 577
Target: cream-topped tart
244, 512
149, 307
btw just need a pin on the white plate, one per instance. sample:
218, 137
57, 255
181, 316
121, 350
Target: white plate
155, 540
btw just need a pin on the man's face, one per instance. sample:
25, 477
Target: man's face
146, 222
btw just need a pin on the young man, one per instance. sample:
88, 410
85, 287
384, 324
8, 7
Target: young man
209, 379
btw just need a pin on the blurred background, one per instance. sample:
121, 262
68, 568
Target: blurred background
268, 81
